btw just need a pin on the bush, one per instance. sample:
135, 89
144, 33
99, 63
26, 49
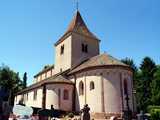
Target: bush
154, 112
152, 107
71, 115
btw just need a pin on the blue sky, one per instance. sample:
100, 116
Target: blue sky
29, 29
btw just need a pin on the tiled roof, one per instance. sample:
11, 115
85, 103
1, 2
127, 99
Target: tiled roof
45, 69
99, 60
77, 25
54, 79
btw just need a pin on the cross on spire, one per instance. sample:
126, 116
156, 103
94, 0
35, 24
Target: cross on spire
77, 4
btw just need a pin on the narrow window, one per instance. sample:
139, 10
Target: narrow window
62, 49
92, 85
35, 95
86, 48
65, 95
83, 48
125, 87
81, 88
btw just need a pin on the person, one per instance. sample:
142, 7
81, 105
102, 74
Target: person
52, 112
6, 111
85, 111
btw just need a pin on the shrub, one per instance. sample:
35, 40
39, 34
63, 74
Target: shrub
152, 107
154, 112
71, 115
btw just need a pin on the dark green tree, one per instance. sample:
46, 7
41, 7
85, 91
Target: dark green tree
131, 63
10, 81
25, 80
155, 98
145, 77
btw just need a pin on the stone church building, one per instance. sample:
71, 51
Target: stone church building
81, 75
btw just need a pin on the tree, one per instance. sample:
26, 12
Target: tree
10, 82
131, 63
25, 80
145, 77
155, 98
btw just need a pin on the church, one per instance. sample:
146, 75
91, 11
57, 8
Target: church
81, 75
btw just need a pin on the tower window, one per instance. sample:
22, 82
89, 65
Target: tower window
62, 49
84, 48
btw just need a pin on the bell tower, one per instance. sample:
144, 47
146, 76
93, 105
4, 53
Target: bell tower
75, 46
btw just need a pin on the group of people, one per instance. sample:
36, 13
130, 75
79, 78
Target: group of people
4, 110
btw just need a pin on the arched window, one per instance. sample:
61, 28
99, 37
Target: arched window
125, 87
92, 85
65, 95
81, 88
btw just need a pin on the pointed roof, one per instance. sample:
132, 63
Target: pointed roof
77, 25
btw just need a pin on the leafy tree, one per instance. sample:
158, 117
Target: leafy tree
25, 80
155, 98
10, 81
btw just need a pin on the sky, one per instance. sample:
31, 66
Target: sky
29, 29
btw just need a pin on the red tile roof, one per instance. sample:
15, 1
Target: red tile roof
77, 25
99, 60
